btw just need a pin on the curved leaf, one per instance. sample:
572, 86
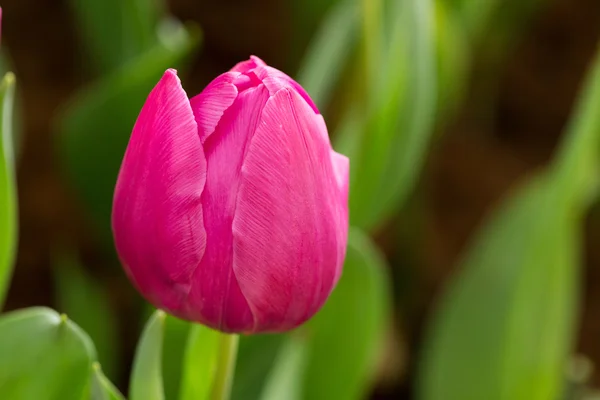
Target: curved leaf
257, 355
146, 378
43, 355
8, 186
200, 363
102, 388
400, 118
284, 381
504, 329
328, 52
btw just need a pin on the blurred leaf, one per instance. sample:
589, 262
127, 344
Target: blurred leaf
146, 377
504, 328
96, 127
102, 388
496, 16
285, 380
87, 302
256, 357
329, 51
174, 345
344, 337
453, 59
400, 120
199, 363
117, 31
8, 186
43, 356
306, 16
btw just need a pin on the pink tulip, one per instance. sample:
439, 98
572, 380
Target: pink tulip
231, 208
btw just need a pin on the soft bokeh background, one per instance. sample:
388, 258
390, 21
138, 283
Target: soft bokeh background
517, 98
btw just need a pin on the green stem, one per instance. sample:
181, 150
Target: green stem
228, 345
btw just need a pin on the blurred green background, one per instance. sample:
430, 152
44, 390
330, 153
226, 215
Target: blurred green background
481, 93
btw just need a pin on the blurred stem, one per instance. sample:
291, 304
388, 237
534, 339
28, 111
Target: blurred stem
228, 346
372, 44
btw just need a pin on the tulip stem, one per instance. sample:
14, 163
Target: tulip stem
228, 345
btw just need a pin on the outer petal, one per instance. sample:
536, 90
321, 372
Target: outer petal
341, 169
157, 211
287, 228
216, 295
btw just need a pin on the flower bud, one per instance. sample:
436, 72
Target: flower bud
230, 209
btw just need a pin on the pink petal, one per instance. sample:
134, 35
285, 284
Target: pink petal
212, 102
289, 237
245, 66
276, 80
341, 169
157, 212
227, 308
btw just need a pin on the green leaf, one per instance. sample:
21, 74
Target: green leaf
87, 302
285, 379
504, 329
102, 388
256, 356
329, 51
200, 363
400, 117
306, 16
95, 129
453, 59
344, 337
504, 326
117, 31
8, 186
146, 377
174, 345
43, 355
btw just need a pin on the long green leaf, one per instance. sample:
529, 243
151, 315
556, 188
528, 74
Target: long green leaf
200, 363
95, 129
504, 329
177, 332
146, 378
285, 380
329, 51
400, 119
43, 355
87, 302
117, 31
453, 59
344, 337
8, 186
257, 355
102, 388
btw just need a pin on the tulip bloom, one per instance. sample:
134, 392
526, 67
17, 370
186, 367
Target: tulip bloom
230, 208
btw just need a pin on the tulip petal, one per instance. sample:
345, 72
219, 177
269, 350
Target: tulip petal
157, 212
225, 149
212, 102
276, 80
341, 169
245, 66
288, 233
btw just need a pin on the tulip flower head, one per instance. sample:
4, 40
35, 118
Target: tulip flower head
230, 208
